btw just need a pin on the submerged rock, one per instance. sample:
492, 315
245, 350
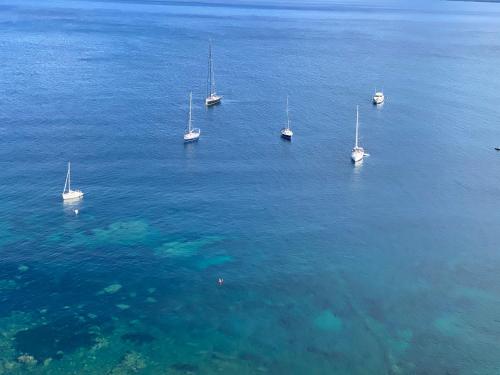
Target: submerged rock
328, 321
185, 248
131, 363
111, 289
119, 233
27, 359
6, 285
450, 325
100, 342
214, 261
8, 367
23, 268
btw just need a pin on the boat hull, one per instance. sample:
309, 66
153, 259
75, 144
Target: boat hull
378, 99
357, 155
286, 134
72, 195
213, 100
192, 136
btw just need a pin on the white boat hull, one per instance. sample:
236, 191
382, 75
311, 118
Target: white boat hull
72, 194
378, 98
212, 100
357, 155
192, 136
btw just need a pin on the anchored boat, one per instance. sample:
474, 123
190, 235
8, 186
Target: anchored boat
358, 152
70, 194
212, 97
191, 135
286, 132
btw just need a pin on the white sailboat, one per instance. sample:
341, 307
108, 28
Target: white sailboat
378, 97
191, 134
70, 194
286, 132
358, 152
212, 97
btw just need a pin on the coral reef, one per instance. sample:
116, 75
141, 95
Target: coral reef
131, 363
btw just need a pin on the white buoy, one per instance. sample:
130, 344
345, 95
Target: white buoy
76, 211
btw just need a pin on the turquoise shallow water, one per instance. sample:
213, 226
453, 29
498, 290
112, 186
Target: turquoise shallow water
391, 267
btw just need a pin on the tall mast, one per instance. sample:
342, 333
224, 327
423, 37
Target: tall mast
209, 78
66, 181
69, 176
189, 122
357, 125
287, 115
214, 91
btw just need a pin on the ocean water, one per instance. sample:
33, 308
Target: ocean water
389, 267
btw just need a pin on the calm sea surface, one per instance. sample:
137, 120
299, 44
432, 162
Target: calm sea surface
390, 267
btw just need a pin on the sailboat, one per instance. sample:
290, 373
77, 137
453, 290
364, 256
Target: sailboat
357, 153
212, 97
191, 134
70, 194
287, 133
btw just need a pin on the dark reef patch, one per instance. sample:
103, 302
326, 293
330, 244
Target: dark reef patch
138, 338
184, 367
53, 340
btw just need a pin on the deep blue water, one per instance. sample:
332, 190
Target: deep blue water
391, 267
